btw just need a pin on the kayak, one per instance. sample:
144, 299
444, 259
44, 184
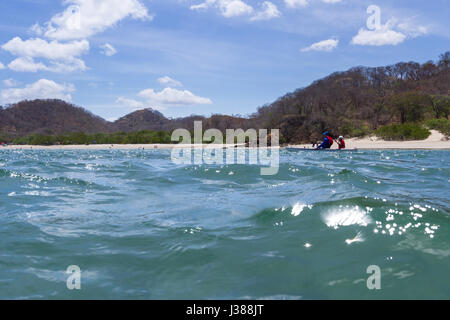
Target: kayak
326, 150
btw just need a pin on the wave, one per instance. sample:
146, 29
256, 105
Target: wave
40, 179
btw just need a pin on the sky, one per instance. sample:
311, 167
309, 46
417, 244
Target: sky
185, 57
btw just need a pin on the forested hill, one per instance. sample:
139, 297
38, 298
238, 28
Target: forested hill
48, 117
360, 100
351, 103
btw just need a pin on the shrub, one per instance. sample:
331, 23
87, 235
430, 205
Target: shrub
5, 138
406, 131
44, 140
141, 137
442, 125
350, 130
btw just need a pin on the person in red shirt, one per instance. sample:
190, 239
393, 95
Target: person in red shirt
341, 142
327, 142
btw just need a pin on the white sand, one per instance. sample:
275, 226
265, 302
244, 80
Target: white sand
436, 141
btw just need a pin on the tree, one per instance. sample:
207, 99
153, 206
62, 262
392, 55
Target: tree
444, 60
409, 106
440, 105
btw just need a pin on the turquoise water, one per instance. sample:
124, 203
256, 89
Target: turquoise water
142, 227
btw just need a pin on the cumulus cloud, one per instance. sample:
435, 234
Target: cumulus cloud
168, 81
130, 103
233, 8
28, 64
108, 50
10, 83
228, 8
378, 37
63, 57
296, 3
168, 97
52, 50
42, 89
391, 33
172, 97
269, 11
325, 45
68, 31
84, 18
2, 66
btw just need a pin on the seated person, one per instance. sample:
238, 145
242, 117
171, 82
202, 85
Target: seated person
341, 142
327, 142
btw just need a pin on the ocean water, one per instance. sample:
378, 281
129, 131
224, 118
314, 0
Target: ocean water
141, 227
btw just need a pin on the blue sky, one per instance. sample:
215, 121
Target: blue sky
187, 57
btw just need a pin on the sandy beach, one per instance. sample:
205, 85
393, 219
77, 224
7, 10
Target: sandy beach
436, 141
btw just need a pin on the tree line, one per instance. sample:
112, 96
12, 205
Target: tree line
362, 100
353, 103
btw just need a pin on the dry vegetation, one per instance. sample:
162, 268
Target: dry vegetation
353, 103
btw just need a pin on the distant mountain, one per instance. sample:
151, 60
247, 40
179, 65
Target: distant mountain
146, 119
49, 117
351, 103
149, 119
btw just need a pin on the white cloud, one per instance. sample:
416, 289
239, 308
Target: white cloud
37, 29
74, 65
42, 89
379, 37
52, 50
80, 20
108, 50
10, 83
296, 3
412, 29
63, 57
84, 18
167, 97
233, 8
228, 8
203, 6
27, 64
130, 103
268, 12
325, 45
168, 81
112, 119
2, 66
172, 97
303, 3
392, 33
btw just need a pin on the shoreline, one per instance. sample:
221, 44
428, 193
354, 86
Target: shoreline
157, 146
436, 141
